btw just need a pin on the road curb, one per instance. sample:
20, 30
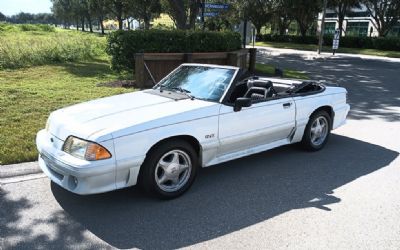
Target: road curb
326, 55
20, 169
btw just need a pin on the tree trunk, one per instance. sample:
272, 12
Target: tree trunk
283, 25
129, 23
258, 28
194, 11
101, 25
119, 22
83, 23
90, 23
282, 30
146, 24
341, 19
303, 29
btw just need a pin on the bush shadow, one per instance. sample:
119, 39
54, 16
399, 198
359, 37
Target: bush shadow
372, 85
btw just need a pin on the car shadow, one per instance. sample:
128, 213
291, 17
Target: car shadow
227, 197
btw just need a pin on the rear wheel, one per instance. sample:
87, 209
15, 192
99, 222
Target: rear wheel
169, 169
317, 131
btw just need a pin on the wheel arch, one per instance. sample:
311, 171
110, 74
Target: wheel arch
187, 138
327, 109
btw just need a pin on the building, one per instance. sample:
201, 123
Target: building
164, 20
356, 23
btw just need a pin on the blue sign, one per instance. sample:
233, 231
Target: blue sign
211, 14
217, 6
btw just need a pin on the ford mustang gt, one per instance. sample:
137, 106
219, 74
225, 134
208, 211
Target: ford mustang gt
197, 116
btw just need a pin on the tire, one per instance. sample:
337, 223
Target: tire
316, 136
164, 173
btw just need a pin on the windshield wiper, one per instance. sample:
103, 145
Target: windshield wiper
183, 91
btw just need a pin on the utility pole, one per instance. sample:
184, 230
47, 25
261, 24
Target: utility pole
203, 8
321, 33
244, 32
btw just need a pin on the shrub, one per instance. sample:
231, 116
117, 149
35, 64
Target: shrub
123, 45
36, 27
381, 43
26, 27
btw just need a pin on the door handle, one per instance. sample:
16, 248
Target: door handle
287, 105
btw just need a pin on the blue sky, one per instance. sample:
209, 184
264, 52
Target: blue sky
11, 7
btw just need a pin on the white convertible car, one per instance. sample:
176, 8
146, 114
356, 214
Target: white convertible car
197, 116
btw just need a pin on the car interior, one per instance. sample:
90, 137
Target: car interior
259, 90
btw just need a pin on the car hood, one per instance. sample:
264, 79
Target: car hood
115, 116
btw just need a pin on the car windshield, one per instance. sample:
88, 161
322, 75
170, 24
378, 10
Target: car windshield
200, 82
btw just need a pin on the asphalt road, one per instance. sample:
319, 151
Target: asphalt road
346, 196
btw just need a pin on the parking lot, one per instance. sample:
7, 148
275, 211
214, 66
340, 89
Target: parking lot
345, 196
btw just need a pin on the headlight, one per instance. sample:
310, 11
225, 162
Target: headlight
85, 149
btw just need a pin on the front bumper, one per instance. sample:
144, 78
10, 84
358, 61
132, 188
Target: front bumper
75, 175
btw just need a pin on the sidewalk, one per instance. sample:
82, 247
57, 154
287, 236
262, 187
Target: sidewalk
314, 55
20, 169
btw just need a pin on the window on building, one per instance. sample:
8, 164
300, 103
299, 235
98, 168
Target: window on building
331, 15
357, 29
358, 14
330, 28
395, 31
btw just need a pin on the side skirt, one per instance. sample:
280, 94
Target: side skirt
246, 152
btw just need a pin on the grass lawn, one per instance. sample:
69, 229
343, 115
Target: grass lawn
20, 48
269, 70
312, 47
28, 95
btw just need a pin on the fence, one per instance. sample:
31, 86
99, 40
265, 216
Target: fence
152, 67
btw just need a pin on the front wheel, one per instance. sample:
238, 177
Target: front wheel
317, 131
169, 169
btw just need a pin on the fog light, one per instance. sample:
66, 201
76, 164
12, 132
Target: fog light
72, 182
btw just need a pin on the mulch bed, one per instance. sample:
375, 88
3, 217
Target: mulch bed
118, 84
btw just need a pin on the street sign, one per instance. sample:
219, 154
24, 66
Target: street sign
336, 41
337, 35
217, 6
335, 45
211, 14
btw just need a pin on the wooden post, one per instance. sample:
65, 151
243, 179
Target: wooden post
233, 59
188, 58
140, 70
252, 59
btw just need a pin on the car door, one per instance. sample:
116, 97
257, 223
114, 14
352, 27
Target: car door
262, 123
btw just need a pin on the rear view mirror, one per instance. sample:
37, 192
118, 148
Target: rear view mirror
241, 102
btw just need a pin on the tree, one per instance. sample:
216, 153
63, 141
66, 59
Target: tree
120, 8
281, 14
182, 12
99, 9
2, 17
386, 14
145, 10
226, 19
342, 8
305, 12
257, 11
63, 10
85, 11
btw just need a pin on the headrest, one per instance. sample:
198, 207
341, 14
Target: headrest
260, 84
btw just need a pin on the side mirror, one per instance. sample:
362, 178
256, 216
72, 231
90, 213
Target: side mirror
241, 102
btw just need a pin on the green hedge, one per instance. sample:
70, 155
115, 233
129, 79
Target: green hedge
26, 27
381, 43
123, 45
